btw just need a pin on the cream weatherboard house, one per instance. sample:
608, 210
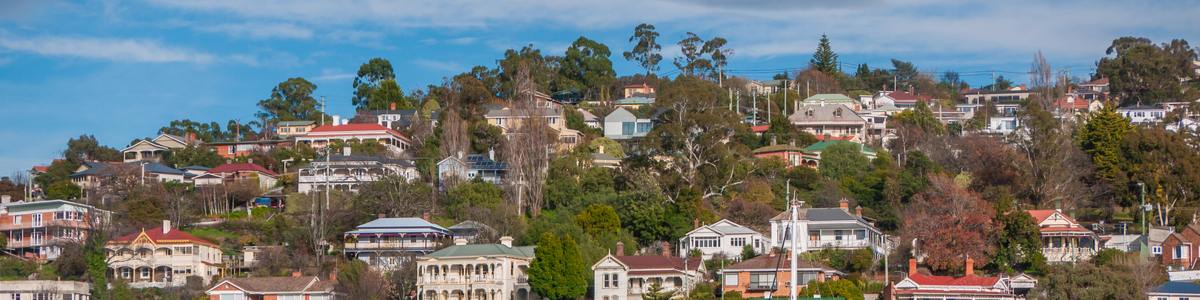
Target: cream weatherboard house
153, 149
724, 237
1064, 239
621, 277
829, 228
481, 271
162, 257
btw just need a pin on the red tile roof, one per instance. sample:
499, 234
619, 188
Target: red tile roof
241, 167
1101, 81
1040, 215
156, 235
760, 128
969, 280
42, 169
1079, 103
902, 96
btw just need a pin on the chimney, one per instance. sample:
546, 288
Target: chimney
506, 241
773, 140
297, 274
166, 227
696, 223
620, 248
460, 242
666, 249
970, 267
460, 154
346, 151
381, 215
425, 216
492, 154
912, 266
337, 120
392, 106
844, 205
191, 137
333, 276
601, 150
858, 211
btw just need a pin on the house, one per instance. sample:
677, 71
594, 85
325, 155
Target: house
398, 118
472, 231
476, 271
769, 275
509, 119
591, 120
605, 160
38, 229
968, 287
900, 99
831, 100
623, 277
351, 172
1007, 102
828, 228
813, 152
638, 90
1071, 105
634, 102
92, 175
153, 149
235, 149
621, 124
162, 257
296, 287
472, 166
1179, 249
1002, 125
45, 290
288, 129
325, 135
1096, 86
1064, 239
724, 238
830, 121
1154, 241
1175, 290
385, 242
764, 87
1142, 114
238, 172
790, 154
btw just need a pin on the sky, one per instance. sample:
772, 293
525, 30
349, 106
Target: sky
119, 70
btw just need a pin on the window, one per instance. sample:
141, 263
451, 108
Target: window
643, 127
126, 273
553, 120
41, 296
737, 242
837, 234
144, 273
1156, 250
730, 279
760, 280
627, 128
183, 250
1181, 252
17, 220
16, 296
606, 280
615, 283
232, 149
233, 297
705, 242
860, 234
290, 297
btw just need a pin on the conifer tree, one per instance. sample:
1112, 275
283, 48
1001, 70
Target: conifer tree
824, 59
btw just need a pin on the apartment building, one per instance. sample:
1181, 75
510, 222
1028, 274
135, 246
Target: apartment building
38, 229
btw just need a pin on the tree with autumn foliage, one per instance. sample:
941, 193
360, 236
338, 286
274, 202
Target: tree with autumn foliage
950, 222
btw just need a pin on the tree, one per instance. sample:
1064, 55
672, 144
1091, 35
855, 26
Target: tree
63, 189
586, 64
700, 57
607, 146
748, 252
556, 270
1127, 277
656, 292
372, 76
905, 73
844, 160
1018, 242
949, 223
824, 59
1054, 165
1141, 72
87, 148
845, 288
357, 281
291, 100
1101, 138
473, 194
597, 219
646, 48
194, 156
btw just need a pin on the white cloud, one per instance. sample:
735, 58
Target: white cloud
267, 58
332, 75
260, 30
121, 50
437, 65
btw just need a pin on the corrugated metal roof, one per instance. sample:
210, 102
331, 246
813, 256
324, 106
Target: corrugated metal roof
484, 250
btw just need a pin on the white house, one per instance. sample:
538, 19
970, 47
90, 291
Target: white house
324, 135
1142, 114
621, 277
480, 271
351, 172
829, 228
153, 149
45, 289
1002, 125
1064, 239
162, 257
621, 124
723, 237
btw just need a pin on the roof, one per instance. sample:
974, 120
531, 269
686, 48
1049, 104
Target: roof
335, 159
241, 167
819, 214
635, 100
1140, 107
255, 142
22, 206
760, 128
482, 162
604, 157
969, 280
644, 262
901, 96
197, 168
822, 145
1101, 81
484, 250
587, 115
501, 111
777, 148
156, 235
294, 123
328, 130
110, 168
830, 98
828, 113
777, 262
262, 285
400, 223
1177, 287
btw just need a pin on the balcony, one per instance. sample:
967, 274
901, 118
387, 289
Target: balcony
402, 246
1068, 254
44, 224
839, 244
472, 279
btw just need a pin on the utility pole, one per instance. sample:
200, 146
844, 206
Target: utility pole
785, 92
793, 255
1142, 198
322, 110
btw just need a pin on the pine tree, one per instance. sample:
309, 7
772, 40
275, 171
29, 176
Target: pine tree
574, 270
824, 59
557, 270
1101, 139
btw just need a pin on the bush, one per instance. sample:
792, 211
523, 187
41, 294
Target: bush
16, 269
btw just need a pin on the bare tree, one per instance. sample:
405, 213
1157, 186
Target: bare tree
528, 147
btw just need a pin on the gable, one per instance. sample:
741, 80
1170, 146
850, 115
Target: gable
609, 262
169, 141
144, 145
224, 286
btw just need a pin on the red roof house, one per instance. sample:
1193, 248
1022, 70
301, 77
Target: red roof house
237, 172
620, 276
967, 287
1063, 238
323, 135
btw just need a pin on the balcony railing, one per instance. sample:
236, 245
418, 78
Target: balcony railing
1068, 254
406, 246
45, 223
473, 279
839, 243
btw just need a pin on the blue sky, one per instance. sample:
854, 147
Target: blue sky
121, 69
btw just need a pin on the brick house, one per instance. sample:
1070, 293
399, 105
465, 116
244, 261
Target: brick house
1180, 248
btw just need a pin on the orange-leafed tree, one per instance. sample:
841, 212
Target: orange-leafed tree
949, 223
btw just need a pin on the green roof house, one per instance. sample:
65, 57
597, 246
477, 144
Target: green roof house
494, 271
